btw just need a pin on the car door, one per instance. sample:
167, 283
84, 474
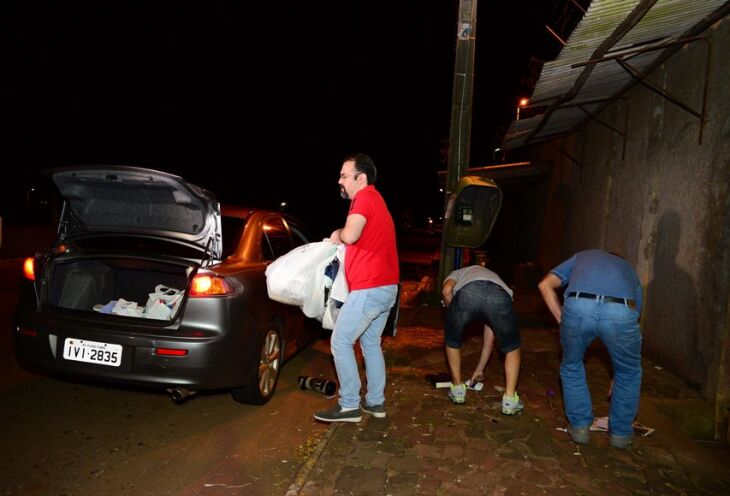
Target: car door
277, 242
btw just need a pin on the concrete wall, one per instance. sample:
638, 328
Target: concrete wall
665, 206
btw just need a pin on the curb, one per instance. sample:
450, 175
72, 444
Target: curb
296, 487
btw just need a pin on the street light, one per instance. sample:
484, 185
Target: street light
497, 150
524, 102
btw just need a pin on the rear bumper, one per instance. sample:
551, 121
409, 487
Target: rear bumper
219, 354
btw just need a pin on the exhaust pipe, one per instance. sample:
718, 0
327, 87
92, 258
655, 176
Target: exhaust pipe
178, 395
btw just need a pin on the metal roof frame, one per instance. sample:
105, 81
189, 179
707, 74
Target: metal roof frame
593, 69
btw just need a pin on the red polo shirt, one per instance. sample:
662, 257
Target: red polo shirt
372, 260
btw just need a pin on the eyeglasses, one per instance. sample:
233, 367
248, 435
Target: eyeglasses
354, 176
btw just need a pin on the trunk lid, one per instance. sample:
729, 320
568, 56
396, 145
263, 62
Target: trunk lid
124, 200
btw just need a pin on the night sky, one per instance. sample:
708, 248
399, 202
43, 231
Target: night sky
283, 88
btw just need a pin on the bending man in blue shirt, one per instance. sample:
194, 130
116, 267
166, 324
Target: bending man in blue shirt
602, 300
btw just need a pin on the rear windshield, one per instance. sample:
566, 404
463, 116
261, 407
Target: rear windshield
232, 228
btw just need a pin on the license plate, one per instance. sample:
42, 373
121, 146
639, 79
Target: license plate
80, 350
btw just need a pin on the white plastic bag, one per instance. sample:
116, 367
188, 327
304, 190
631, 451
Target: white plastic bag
158, 310
127, 308
315, 305
337, 294
291, 278
169, 296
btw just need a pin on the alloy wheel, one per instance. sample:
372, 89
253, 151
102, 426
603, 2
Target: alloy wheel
269, 363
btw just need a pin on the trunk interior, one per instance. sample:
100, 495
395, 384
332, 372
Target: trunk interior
83, 283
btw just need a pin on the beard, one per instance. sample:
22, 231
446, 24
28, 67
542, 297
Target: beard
343, 193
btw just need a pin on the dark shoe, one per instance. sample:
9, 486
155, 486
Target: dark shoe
621, 442
579, 434
337, 415
377, 411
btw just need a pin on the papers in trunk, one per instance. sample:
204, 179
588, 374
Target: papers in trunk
161, 305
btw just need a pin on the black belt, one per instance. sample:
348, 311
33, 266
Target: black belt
612, 299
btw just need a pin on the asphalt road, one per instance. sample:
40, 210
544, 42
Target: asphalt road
61, 437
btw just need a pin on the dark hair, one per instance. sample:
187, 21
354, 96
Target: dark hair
364, 165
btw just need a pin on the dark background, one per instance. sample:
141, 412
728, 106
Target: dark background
281, 91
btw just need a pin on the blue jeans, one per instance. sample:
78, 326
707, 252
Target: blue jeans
487, 302
363, 316
617, 326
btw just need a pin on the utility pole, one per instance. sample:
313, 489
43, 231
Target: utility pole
460, 132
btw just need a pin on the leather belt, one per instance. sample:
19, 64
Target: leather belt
612, 299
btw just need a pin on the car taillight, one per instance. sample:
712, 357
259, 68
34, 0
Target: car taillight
27, 332
210, 285
29, 268
171, 351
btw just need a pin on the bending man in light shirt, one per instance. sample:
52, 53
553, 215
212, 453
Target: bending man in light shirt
477, 293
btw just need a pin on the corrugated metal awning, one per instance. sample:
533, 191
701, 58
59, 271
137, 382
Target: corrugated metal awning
614, 39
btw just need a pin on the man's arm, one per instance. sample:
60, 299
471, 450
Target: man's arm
487, 347
351, 232
547, 288
447, 292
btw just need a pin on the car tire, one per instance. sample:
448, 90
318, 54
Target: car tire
264, 374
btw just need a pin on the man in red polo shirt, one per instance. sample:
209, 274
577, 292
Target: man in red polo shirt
371, 270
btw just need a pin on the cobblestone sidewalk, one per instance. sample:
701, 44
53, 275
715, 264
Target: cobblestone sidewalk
427, 445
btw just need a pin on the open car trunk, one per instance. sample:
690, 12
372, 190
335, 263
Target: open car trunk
117, 285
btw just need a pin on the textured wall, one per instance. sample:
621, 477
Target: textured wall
665, 207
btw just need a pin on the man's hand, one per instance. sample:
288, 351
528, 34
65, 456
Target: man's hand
335, 237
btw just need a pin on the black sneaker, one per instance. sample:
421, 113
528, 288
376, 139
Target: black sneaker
579, 435
621, 442
377, 411
337, 415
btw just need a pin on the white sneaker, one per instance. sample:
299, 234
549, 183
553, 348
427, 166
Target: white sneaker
457, 393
